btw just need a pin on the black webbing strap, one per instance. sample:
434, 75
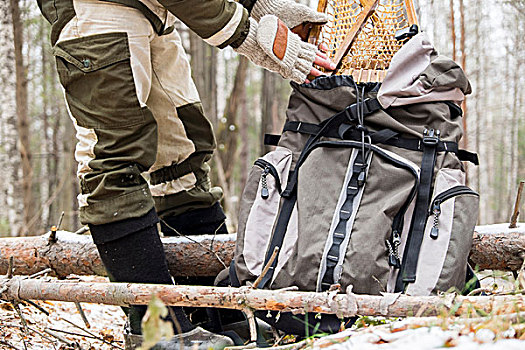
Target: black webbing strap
369, 106
234, 280
467, 156
415, 236
278, 236
455, 110
384, 136
345, 213
155, 21
271, 139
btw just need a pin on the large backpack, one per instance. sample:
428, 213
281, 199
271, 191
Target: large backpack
366, 187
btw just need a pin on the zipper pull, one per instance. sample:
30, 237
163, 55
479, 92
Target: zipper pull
393, 248
436, 210
264, 191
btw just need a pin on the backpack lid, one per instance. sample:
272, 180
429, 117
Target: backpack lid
418, 74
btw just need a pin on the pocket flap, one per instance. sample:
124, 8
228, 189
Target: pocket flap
93, 52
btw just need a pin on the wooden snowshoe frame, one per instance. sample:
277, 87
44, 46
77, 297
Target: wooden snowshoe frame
361, 34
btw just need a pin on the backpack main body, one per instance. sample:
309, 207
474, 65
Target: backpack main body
365, 187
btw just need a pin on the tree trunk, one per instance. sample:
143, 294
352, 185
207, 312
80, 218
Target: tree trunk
76, 254
12, 208
343, 305
453, 29
23, 118
203, 66
269, 107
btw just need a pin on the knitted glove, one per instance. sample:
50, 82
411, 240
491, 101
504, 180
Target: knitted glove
273, 46
290, 12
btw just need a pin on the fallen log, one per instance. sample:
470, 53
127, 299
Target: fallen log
76, 254
498, 247
494, 247
389, 305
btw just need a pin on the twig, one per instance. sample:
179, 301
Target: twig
480, 290
215, 233
60, 220
43, 272
5, 342
81, 335
30, 329
177, 325
88, 332
194, 241
82, 314
66, 341
11, 267
266, 268
22, 319
251, 322
38, 307
82, 230
516, 212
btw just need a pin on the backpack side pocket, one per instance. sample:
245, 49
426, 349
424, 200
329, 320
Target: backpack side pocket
452, 216
259, 208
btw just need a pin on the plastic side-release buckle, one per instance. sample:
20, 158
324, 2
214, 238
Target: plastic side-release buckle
431, 137
407, 32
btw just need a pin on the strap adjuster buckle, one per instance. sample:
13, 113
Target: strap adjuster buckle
431, 137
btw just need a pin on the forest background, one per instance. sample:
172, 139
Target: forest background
244, 102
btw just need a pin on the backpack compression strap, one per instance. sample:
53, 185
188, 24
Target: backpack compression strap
407, 273
386, 136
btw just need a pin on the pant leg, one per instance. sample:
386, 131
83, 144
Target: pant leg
104, 65
179, 179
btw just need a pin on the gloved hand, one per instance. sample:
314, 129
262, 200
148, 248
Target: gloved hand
290, 12
271, 45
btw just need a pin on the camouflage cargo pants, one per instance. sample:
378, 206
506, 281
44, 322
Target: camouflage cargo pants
143, 140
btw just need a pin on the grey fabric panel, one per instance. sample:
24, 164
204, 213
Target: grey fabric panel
455, 266
335, 220
349, 230
245, 205
320, 182
367, 254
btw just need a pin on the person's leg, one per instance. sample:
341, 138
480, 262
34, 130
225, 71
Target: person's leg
184, 198
103, 59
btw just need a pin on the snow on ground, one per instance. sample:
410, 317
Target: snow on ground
107, 322
500, 228
424, 338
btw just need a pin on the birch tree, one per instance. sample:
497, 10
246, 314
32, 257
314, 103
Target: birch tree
10, 207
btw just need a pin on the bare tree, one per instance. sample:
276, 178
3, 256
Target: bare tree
22, 114
11, 208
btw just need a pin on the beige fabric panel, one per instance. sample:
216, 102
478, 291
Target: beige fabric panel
155, 61
418, 75
263, 212
169, 60
433, 251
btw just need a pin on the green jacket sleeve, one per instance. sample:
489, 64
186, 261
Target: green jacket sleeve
218, 22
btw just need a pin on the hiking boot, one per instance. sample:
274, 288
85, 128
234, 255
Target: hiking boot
196, 339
